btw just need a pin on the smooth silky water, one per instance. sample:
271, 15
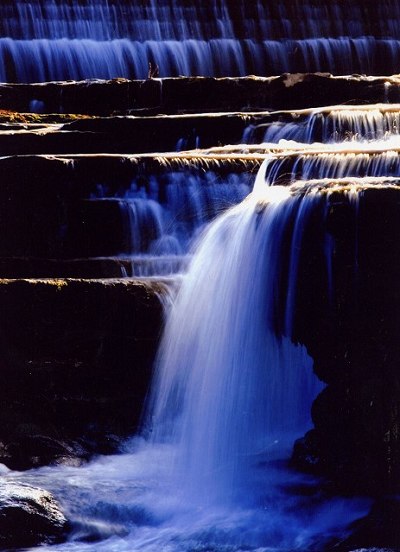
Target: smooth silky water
231, 393
44, 40
162, 215
209, 470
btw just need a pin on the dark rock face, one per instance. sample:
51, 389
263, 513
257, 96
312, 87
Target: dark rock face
354, 343
28, 517
199, 94
128, 135
381, 526
76, 359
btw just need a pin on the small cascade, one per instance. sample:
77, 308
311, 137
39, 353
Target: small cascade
330, 125
162, 215
331, 165
374, 123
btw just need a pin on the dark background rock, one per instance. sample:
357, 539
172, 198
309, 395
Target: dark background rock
353, 339
76, 360
199, 94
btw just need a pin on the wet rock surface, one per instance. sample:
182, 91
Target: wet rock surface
353, 339
28, 517
198, 94
76, 361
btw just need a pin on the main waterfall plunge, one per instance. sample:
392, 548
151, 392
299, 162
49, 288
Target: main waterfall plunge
231, 393
228, 389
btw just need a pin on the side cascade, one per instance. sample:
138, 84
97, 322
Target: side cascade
163, 215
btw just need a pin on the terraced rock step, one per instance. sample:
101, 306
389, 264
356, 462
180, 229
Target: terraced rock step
197, 94
130, 134
168, 133
160, 133
72, 352
76, 207
97, 267
91, 206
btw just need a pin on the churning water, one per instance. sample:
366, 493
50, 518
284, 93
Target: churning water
230, 394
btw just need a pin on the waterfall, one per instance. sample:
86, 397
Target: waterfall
229, 390
233, 383
57, 39
230, 394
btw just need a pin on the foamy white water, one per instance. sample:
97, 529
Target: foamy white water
129, 503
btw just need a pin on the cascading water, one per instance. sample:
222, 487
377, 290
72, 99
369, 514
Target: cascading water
230, 395
328, 164
178, 205
163, 214
62, 40
330, 125
228, 402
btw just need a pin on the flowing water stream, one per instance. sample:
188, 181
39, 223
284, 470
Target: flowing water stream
231, 393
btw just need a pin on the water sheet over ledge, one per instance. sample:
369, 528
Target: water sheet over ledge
55, 39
